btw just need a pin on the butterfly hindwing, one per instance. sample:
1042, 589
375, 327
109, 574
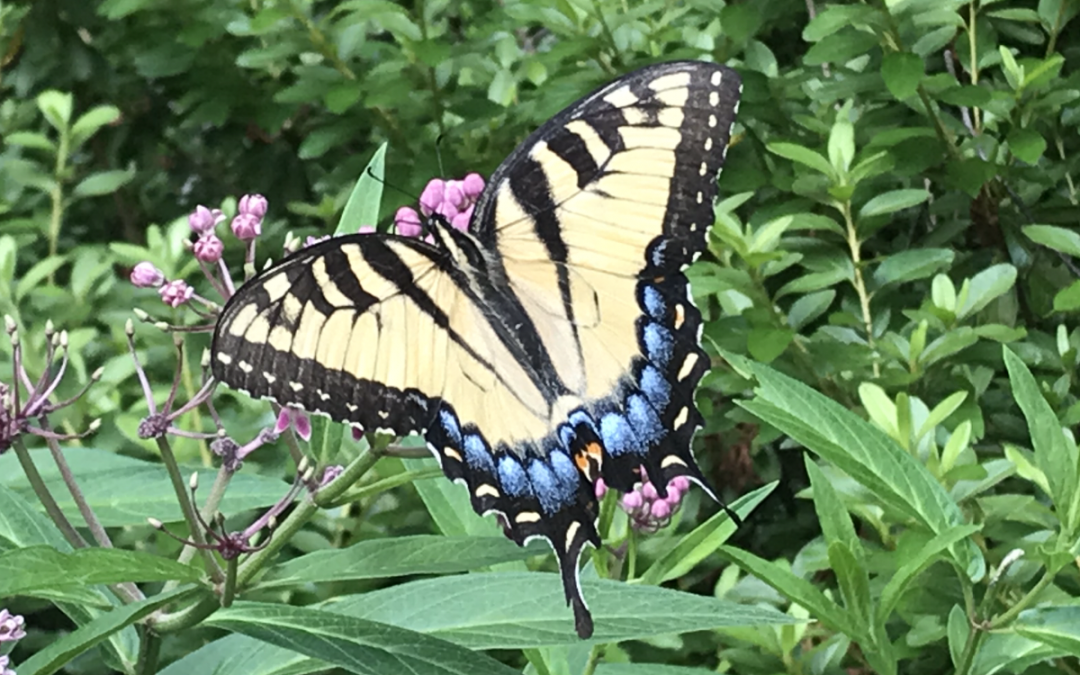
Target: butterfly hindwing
553, 345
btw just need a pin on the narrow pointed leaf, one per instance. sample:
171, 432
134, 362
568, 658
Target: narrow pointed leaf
366, 197
26, 570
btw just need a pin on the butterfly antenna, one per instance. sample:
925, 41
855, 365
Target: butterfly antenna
438, 153
386, 183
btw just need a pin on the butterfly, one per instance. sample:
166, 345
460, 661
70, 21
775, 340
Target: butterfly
552, 344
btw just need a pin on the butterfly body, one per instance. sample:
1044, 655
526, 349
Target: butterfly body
553, 344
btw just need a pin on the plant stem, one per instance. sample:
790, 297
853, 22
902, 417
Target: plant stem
1022, 604
970, 648
536, 658
45, 497
197, 535
594, 660
213, 500
860, 285
229, 591
149, 649
56, 196
187, 617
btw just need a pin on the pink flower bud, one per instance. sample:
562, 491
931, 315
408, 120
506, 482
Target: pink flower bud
407, 222
632, 501
648, 491
473, 185
461, 220
448, 211
432, 196
600, 487
208, 248
367, 229
203, 220
11, 626
253, 205
176, 292
680, 483
145, 275
311, 241
357, 432
291, 417
331, 472
246, 226
660, 509
455, 194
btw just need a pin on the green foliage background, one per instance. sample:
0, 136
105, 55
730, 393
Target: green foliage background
897, 241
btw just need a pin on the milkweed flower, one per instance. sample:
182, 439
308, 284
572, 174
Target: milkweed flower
176, 292
454, 200
246, 226
208, 248
145, 275
203, 220
253, 205
291, 417
12, 626
4, 663
649, 511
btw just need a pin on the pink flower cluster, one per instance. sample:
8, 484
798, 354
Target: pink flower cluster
649, 511
12, 628
452, 199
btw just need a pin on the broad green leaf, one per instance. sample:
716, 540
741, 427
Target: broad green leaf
242, 655
356, 645
21, 522
399, 556
1014, 74
948, 344
766, 344
37, 274
649, 669
366, 197
1058, 238
842, 141
1001, 652
92, 120
834, 17
809, 307
891, 202
941, 412
26, 570
929, 553
1058, 627
102, 183
56, 107
836, 525
957, 443
972, 96
943, 293
879, 407
902, 72
768, 235
703, 540
802, 155
1025, 467
326, 439
958, 629
854, 581
911, 265
1055, 455
61, 651
1068, 299
124, 491
520, 610
1027, 145
858, 448
797, 590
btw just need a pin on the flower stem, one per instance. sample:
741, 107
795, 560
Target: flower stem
187, 617
188, 508
149, 649
213, 500
45, 497
229, 591
1022, 604
594, 660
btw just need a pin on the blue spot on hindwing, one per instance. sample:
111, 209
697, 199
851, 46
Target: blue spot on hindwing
654, 303
659, 345
512, 476
565, 471
477, 455
644, 420
655, 387
617, 435
548, 489
450, 426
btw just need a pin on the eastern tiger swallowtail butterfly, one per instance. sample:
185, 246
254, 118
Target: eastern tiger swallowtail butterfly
553, 344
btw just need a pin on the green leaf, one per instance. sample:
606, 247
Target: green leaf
1055, 455
61, 651
766, 344
802, 155
836, 525
703, 540
959, 627
92, 120
448, 503
1014, 74
102, 183
519, 610
649, 669
957, 443
26, 570
354, 644
242, 655
1058, 238
879, 407
1027, 145
842, 141
891, 202
809, 307
943, 293
366, 198
971, 96
768, 235
36, 274
857, 447
30, 139
854, 581
399, 556
902, 72
912, 567
1068, 298
326, 438
124, 491
797, 590
1058, 627
951, 342
56, 107
986, 286
941, 412
915, 264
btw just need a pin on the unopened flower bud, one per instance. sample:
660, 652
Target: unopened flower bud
95, 424
660, 509
203, 220
253, 205
64, 339
473, 185
407, 222
204, 361
96, 375
145, 275
162, 326
432, 196
176, 292
155, 523
129, 327
461, 220
49, 328
303, 465
366, 229
140, 314
12, 627
246, 226
209, 248
193, 482
9, 324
